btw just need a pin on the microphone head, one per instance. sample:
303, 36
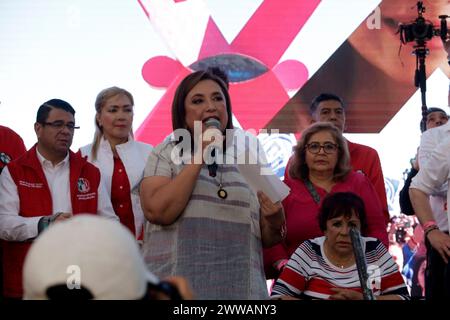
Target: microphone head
214, 123
354, 233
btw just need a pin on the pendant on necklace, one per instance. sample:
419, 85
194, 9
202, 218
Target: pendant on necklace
222, 193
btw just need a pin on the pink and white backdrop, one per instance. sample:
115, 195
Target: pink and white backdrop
278, 55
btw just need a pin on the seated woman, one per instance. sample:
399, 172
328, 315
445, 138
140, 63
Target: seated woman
320, 166
324, 267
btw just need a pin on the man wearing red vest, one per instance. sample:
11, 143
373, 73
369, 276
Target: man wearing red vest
11, 146
48, 183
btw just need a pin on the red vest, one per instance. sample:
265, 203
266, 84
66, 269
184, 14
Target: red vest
36, 200
11, 146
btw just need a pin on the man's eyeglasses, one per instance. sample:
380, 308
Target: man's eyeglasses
61, 124
328, 147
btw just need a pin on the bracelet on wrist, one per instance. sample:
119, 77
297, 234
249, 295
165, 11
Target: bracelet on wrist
46, 221
43, 224
429, 224
429, 229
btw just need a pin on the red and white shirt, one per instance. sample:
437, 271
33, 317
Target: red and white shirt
309, 274
133, 155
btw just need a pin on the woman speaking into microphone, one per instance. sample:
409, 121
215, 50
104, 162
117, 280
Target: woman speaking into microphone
208, 229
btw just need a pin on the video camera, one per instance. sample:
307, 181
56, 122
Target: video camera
422, 30
401, 225
400, 235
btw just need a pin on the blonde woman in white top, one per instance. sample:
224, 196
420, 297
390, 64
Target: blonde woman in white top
119, 157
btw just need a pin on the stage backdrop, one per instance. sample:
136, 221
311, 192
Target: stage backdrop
278, 56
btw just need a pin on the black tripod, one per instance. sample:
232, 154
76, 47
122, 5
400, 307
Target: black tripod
420, 77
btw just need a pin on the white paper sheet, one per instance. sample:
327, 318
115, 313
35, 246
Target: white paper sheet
259, 180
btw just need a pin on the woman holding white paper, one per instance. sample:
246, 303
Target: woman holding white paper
208, 229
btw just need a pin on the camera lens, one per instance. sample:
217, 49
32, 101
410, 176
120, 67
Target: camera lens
422, 30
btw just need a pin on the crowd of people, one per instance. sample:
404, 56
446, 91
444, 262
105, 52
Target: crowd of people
165, 222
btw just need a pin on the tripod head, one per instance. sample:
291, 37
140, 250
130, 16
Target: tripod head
420, 31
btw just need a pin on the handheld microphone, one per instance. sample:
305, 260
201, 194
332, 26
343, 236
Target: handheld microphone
361, 264
213, 123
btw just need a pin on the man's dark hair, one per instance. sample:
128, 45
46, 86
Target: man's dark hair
46, 107
324, 97
423, 122
342, 204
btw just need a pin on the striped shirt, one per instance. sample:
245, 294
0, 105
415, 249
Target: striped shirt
309, 274
215, 243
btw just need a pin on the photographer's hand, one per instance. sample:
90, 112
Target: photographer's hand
440, 241
172, 288
183, 287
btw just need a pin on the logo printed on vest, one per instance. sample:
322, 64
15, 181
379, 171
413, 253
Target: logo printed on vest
28, 184
4, 158
83, 185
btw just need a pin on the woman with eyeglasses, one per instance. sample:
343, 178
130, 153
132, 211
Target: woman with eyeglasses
320, 166
119, 157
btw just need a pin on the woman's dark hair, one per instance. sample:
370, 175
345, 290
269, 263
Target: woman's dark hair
342, 204
186, 85
299, 169
221, 74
